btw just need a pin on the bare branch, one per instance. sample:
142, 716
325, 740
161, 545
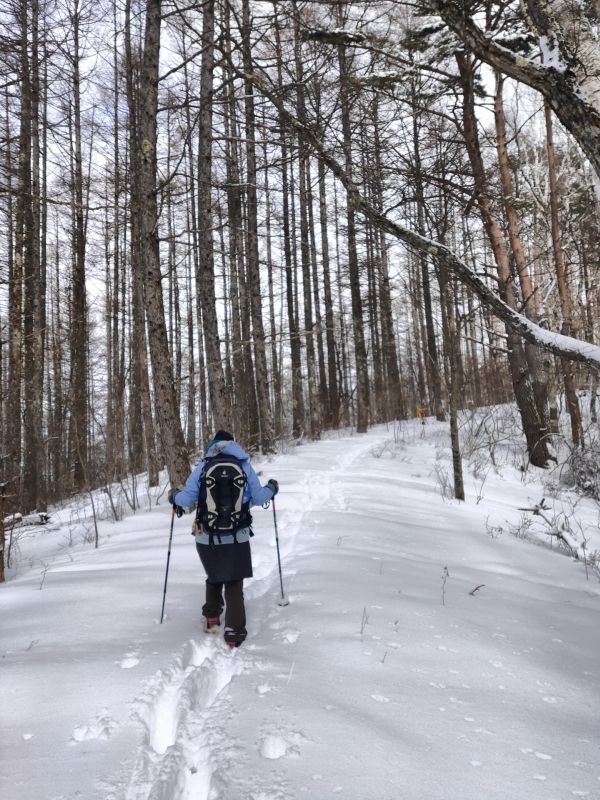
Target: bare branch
563, 84
564, 346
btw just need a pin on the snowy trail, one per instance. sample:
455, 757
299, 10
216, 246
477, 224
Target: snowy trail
384, 679
427, 679
179, 707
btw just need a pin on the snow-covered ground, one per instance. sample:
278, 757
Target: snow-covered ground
389, 676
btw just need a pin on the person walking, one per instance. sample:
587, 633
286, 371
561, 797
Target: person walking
223, 487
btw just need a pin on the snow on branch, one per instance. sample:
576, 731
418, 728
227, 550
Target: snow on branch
504, 58
564, 346
334, 36
17, 520
382, 79
560, 345
558, 529
568, 80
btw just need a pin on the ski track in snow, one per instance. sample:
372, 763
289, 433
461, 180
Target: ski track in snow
174, 710
180, 754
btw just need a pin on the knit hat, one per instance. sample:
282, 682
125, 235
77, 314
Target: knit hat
222, 436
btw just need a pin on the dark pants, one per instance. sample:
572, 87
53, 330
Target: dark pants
235, 612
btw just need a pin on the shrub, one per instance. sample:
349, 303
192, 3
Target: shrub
582, 470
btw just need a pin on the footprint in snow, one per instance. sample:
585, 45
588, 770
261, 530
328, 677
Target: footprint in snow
128, 661
379, 698
542, 756
273, 747
101, 727
290, 635
265, 796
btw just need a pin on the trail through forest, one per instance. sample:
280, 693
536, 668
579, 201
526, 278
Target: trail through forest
425, 651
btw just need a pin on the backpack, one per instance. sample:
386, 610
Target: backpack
221, 505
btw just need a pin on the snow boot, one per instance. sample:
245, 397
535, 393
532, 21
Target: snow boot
211, 624
233, 638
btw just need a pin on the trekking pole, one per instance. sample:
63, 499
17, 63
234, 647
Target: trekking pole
162, 613
284, 601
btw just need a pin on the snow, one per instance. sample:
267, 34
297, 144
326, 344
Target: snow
596, 181
558, 342
551, 57
386, 677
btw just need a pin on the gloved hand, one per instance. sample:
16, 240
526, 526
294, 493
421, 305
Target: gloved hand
273, 486
177, 509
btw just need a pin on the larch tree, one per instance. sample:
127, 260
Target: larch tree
171, 435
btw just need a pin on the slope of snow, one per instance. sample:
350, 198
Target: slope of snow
389, 675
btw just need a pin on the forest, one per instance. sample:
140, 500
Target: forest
287, 217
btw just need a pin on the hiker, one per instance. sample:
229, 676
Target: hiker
224, 485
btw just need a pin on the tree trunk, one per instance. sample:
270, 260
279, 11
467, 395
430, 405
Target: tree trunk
192, 267
15, 312
254, 283
56, 432
33, 335
79, 323
333, 416
533, 427
360, 350
295, 347
564, 293
530, 304
220, 399
394, 390
5, 388
277, 394
451, 347
305, 255
173, 445
432, 360
115, 331
318, 324
2, 532
246, 411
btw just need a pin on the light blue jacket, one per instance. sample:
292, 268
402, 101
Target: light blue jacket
254, 493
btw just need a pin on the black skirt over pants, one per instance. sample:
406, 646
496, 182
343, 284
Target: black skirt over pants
226, 566
226, 562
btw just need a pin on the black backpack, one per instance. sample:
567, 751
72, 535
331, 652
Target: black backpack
221, 506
